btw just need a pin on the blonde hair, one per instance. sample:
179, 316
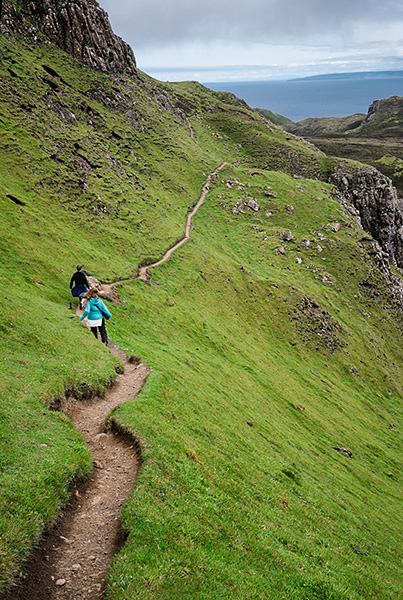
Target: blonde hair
92, 293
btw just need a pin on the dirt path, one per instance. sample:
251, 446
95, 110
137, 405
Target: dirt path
191, 130
108, 290
73, 560
142, 272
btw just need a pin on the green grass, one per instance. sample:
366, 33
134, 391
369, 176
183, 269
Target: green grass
261, 363
274, 117
253, 500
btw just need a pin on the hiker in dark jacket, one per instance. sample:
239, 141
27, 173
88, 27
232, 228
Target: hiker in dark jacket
79, 284
96, 311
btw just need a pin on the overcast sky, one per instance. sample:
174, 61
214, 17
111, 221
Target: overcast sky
244, 40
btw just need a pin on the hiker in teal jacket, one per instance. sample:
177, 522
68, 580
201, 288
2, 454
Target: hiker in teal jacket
96, 312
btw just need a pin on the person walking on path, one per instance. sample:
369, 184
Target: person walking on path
96, 313
79, 284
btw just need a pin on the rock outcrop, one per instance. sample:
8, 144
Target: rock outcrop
387, 109
372, 110
374, 204
371, 200
81, 28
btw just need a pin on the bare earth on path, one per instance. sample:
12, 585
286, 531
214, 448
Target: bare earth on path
142, 272
73, 560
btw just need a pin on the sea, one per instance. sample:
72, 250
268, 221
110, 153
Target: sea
300, 99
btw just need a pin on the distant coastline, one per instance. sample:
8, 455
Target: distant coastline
358, 75
333, 95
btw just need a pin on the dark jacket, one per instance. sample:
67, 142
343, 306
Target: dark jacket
79, 278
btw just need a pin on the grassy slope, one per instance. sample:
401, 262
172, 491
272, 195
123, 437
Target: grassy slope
241, 493
56, 226
254, 502
275, 118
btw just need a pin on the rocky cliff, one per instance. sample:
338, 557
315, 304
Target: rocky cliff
375, 206
386, 111
80, 27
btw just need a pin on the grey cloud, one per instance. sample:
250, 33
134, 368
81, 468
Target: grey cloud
152, 22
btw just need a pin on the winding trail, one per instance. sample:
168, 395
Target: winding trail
108, 289
142, 272
72, 562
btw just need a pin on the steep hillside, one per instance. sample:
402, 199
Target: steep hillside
270, 425
274, 117
375, 138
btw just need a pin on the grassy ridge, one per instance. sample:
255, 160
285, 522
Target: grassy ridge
274, 117
57, 210
262, 363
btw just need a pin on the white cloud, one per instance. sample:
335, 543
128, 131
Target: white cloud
280, 36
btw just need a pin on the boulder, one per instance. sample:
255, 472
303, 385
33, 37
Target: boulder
287, 236
253, 204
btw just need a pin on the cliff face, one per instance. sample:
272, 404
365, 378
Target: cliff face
376, 206
81, 28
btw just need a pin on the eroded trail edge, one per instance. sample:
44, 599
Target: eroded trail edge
72, 562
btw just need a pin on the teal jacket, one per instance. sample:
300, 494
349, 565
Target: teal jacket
92, 310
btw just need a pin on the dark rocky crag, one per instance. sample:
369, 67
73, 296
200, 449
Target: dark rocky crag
79, 27
375, 205
372, 201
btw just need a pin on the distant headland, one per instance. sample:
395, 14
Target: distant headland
354, 75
